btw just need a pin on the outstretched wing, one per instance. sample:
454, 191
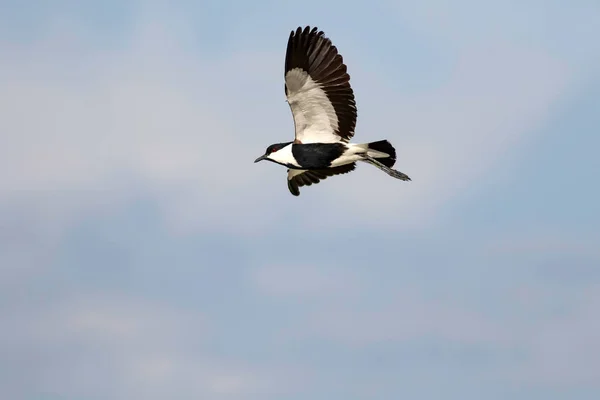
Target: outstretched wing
318, 89
301, 177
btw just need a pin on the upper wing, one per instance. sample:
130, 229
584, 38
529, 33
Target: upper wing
301, 177
318, 89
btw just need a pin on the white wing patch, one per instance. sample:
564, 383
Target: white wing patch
315, 120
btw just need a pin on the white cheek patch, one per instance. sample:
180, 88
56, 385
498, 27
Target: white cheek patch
284, 156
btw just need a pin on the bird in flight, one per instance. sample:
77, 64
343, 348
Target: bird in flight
318, 91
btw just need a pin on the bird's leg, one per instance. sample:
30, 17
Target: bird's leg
391, 172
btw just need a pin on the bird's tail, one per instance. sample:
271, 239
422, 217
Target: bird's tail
381, 154
383, 151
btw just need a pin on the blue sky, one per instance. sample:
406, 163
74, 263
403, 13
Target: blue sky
144, 256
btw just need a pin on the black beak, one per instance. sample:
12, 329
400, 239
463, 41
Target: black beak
264, 156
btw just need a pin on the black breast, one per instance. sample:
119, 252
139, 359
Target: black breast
317, 155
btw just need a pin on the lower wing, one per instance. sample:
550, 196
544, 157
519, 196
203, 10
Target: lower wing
301, 177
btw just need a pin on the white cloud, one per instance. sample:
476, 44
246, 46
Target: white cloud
85, 124
564, 349
555, 335
547, 243
148, 116
85, 130
306, 281
122, 347
408, 315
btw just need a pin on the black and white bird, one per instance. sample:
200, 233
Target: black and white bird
318, 91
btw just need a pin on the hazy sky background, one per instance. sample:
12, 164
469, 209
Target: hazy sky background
144, 256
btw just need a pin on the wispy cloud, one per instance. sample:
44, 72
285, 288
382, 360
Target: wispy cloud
152, 113
144, 348
143, 255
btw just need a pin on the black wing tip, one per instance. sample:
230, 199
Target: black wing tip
293, 187
303, 41
306, 35
306, 30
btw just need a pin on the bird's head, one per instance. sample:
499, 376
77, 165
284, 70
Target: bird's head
271, 151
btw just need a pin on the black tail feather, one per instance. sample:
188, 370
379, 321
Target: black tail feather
385, 147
